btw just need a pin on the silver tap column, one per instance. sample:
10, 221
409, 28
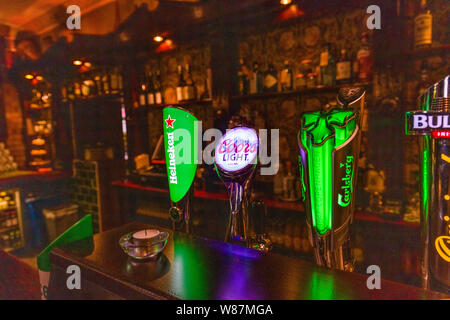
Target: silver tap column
235, 161
432, 120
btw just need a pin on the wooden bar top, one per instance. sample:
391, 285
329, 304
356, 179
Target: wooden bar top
198, 268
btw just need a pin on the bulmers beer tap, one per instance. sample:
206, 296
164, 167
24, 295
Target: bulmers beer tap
181, 149
235, 160
432, 121
329, 150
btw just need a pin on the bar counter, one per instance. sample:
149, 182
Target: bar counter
198, 268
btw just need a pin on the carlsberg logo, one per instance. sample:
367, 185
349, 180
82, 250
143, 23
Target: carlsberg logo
171, 152
345, 194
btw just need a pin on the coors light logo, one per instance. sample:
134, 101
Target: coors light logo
236, 149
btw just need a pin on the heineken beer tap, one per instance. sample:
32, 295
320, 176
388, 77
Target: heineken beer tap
235, 159
181, 149
329, 150
432, 122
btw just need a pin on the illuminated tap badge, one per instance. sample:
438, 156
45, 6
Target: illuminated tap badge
428, 122
236, 149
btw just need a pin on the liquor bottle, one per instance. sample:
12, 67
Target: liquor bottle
242, 78
343, 68
114, 80
150, 89
64, 93
425, 81
286, 77
205, 94
423, 35
92, 85
365, 60
189, 88
270, 79
70, 91
327, 66
105, 82
143, 91
158, 88
85, 90
77, 89
120, 81
255, 79
98, 83
181, 84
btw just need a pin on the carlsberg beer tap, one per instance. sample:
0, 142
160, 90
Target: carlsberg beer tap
181, 149
432, 122
329, 150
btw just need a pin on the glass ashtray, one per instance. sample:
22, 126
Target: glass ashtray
144, 250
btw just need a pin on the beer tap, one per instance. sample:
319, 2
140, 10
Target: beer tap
182, 152
432, 122
235, 161
329, 150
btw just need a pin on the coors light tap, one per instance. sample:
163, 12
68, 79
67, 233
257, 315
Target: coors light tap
329, 150
432, 122
181, 149
235, 160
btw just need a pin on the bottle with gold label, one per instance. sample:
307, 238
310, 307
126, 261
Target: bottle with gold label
343, 68
270, 79
423, 26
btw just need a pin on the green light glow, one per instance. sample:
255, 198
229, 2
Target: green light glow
190, 270
181, 147
302, 178
425, 169
320, 134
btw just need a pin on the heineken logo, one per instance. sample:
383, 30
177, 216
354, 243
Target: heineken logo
427, 122
169, 122
345, 194
172, 168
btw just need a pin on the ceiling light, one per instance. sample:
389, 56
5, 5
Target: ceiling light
29, 76
285, 2
158, 38
77, 62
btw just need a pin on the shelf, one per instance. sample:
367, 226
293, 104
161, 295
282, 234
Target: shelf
177, 104
427, 51
271, 203
7, 229
300, 92
104, 96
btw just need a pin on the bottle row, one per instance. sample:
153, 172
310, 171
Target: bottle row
329, 72
151, 91
41, 96
7, 200
150, 88
93, 83
8, 219
11, 240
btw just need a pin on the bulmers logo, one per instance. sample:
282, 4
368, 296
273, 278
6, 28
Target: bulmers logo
345, 194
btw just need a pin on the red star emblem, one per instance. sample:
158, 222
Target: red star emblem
169, 122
